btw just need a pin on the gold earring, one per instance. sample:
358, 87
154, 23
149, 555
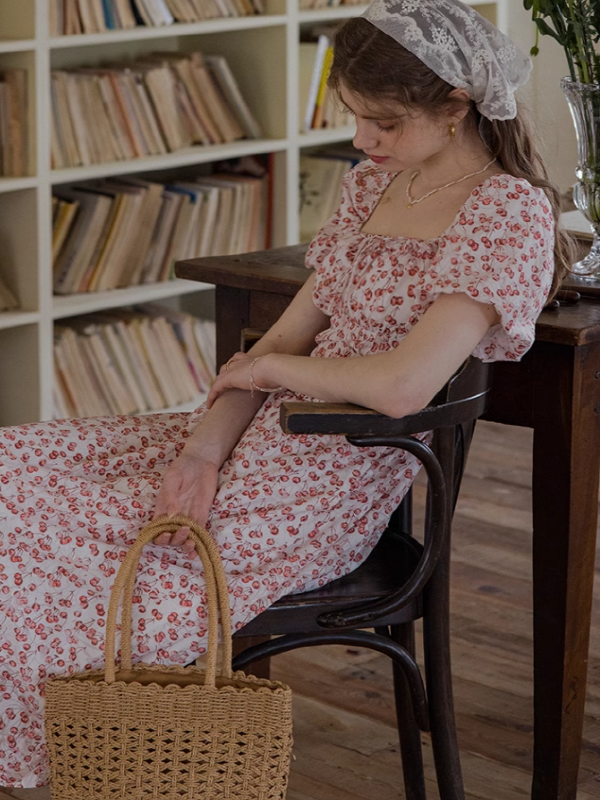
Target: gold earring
452, 130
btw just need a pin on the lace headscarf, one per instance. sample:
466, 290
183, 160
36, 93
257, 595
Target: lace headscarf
460, 46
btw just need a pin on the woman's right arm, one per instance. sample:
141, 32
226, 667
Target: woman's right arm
190, 482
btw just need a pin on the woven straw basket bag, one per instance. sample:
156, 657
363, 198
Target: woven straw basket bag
168, 732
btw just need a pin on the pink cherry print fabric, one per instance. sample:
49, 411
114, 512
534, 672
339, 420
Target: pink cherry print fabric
291, 512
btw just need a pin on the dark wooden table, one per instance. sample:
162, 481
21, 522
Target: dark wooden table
555, 390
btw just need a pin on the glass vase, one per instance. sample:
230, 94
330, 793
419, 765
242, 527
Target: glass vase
584, 104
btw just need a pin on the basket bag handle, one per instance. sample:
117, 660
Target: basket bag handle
216, 593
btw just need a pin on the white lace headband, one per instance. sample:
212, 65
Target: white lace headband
460, 46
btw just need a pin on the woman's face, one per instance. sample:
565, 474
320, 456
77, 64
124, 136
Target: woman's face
393, 135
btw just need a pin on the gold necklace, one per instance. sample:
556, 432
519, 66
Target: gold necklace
412, 202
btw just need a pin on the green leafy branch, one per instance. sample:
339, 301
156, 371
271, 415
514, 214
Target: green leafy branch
575, 24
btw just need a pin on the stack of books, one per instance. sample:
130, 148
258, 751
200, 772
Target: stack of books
160, 104
14, 144
321, 186
8, 302
319, 107
120, 232
69, 17
131, 361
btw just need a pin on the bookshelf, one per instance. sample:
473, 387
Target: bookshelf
261, 50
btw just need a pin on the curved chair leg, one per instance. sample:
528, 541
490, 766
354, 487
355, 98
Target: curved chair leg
436, 649
354, 638
408, 730
444, 741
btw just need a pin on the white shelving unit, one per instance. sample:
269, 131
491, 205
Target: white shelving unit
262, 52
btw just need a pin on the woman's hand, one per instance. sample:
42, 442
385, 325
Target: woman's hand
238, 373
189, 487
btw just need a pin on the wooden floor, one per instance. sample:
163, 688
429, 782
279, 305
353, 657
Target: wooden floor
345, 739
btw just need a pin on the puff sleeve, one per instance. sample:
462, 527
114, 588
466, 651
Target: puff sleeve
501, 251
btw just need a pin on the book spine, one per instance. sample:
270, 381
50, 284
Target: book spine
109, 16
317, 120
323, 44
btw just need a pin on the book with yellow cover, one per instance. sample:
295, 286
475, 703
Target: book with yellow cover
64, 212
318, 117
319, 58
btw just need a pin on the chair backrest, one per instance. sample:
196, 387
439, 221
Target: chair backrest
451, 416
471, 383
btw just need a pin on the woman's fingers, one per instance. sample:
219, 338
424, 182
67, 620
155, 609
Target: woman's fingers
180, 536
235, 357
166, 499
233, 375
189, 548
219, 386
178, 539
212, 396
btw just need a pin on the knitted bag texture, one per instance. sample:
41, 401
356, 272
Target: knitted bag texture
146, 732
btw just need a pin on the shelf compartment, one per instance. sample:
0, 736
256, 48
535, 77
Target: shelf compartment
201, 154
17, 59
257, 58
167, 376
75, 304
178, 29
20, 370
17, 19
261, 82
19, 247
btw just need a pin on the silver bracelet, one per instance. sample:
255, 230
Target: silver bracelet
253, 386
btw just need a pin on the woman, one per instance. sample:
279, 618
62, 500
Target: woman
443, 246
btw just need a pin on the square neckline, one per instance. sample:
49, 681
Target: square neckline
416, 238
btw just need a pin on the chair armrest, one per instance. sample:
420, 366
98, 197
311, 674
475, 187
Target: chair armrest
327, 418
350, 420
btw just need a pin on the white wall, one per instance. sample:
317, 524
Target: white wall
544, 97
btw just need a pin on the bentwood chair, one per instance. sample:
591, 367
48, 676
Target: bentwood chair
401, 581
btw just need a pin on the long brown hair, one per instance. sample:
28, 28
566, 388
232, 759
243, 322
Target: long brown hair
375, 66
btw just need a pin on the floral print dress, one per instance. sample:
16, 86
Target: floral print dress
291, 511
